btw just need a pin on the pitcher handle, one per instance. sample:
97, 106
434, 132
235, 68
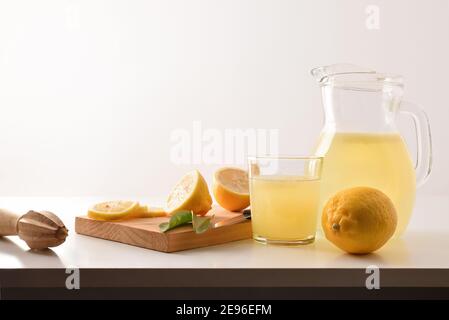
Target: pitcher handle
423, 165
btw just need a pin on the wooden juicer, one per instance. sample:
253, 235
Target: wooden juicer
39, 229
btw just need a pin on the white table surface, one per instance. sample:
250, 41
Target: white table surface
424, 245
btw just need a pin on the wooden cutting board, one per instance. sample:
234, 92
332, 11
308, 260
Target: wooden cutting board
145, 232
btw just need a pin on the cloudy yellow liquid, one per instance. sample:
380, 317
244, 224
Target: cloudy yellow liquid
376, 160
284, 208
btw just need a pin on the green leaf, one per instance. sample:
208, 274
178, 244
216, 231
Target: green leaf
178, 219
200, 224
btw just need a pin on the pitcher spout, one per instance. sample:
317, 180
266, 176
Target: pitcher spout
354, 77
321, 74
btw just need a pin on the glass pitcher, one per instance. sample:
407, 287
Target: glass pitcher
360, 142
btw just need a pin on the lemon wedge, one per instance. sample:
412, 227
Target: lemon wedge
190, 193
153, 212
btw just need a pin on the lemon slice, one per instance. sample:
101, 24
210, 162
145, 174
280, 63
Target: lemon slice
190, 193
115, 210
231, 188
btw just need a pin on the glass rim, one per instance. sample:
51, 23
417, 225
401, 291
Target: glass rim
286, 157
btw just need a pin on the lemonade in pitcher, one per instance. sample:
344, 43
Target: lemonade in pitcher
360, 142
380, 161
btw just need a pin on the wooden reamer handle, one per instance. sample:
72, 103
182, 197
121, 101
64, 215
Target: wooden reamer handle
8, 223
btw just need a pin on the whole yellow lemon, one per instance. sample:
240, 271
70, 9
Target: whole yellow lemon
359, 220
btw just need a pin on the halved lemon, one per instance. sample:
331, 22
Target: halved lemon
231, 188
116, 210
190, 193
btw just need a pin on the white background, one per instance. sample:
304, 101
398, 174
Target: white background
90, 91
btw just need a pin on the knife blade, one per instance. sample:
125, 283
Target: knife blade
246, 215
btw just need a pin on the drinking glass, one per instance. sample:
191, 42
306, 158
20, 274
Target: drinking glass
285, 196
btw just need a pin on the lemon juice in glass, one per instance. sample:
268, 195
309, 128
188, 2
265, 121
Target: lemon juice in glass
285, 196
